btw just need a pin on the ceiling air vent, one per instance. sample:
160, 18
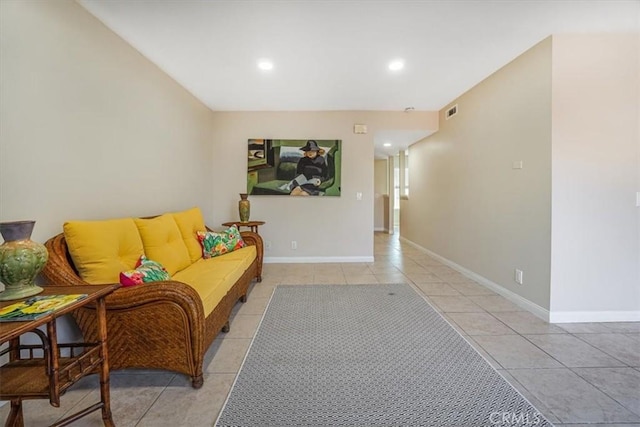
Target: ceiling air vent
451, 112
359, 128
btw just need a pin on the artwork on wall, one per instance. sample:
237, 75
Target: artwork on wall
294, 167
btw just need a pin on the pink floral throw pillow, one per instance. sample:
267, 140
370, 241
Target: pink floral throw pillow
146, 271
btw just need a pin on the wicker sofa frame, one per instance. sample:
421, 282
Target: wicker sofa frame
159, 325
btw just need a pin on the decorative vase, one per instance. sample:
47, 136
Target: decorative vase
21, 259
244, 207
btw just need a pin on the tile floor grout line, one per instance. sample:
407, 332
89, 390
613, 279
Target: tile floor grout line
543, 350
602, 350
155, 400
604, 391
533, 394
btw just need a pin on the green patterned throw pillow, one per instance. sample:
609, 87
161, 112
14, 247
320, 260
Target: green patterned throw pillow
214, 244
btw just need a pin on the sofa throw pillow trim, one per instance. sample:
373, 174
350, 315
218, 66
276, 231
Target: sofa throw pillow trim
214, 244
146, 271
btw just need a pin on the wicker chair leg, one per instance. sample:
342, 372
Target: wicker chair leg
197, 381
226, 327
243, 298
259, 278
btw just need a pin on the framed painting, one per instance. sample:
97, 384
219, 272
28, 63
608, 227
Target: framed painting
294, 167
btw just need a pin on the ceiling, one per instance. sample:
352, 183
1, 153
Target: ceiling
334, 54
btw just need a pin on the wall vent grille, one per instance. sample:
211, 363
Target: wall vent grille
451, 112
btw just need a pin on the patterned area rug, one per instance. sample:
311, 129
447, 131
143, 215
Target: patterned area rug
369, 355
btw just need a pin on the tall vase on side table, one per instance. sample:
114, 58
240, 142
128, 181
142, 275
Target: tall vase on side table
21, 259
244, 207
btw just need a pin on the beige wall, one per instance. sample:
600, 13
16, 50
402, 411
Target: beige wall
381, 191
569, 109
467, 204
596, 174
90, 128
325, 228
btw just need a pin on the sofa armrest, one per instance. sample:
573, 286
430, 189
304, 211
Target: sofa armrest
59, 269
251, 238
254, 239
149, 293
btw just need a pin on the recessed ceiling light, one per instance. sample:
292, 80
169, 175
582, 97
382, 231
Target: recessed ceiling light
387, 144
265, 64
396, 65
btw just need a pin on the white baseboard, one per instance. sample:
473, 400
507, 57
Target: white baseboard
380, 229
518, 300
316, 259
594, 316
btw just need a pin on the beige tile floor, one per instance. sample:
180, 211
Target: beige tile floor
575, 374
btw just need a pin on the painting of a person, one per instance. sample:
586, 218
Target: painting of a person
311, 171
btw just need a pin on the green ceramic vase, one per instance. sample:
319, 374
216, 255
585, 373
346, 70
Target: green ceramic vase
21, 259
244, 207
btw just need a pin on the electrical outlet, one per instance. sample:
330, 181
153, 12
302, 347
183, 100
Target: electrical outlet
267, 245
518, 276
294, 245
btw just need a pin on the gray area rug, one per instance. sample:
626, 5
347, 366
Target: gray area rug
366, 355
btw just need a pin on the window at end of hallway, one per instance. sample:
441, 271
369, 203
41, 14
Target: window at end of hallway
404, 174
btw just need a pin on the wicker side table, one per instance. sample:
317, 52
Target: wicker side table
28, 375
253, 225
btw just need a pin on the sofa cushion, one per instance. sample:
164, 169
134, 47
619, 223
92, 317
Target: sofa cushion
189, 222
102, 249
212, 278
163, 242
214, 244
244, 257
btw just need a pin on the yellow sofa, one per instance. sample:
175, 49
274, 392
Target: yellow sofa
167, 324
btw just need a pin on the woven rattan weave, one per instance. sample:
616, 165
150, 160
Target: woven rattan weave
157, 326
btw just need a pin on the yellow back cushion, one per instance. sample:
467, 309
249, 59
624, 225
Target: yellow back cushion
163, 242
102, 249
189, 222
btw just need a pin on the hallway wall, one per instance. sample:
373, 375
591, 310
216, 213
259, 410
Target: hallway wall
569, 110
467, 202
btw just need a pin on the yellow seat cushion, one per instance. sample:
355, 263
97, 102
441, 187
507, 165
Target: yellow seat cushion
163, 242
212, 278
102, 249
189, 222
244, 256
